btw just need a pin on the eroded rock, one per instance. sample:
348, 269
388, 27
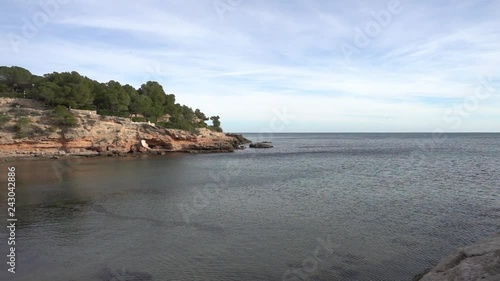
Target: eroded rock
108, 135
480, 261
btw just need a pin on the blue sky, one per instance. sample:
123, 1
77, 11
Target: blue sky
280, 66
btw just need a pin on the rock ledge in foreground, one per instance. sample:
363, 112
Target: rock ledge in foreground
480, 261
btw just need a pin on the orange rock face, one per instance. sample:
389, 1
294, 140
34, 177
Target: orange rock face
96, 134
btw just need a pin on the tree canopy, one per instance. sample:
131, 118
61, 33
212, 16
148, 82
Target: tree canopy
14, 77
70, 89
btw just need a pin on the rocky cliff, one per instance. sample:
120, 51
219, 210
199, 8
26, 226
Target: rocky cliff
477, 262
98, 135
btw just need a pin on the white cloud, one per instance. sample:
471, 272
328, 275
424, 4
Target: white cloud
264, 56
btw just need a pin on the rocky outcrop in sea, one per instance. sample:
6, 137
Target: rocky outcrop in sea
264, 144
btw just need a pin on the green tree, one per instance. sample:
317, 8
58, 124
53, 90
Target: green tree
47, 91
4, 88
215, 124
23, 127
215, 121
188, 114
15, 78
140, 104
155, 111
202, 118
74, 91
70, 89
170, 99
100, 92
130, 91
111, 96
63, 116
154, 91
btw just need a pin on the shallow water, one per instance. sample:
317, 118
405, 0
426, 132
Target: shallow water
315, 207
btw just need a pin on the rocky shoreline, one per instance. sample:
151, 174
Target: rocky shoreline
97, 135
479, 261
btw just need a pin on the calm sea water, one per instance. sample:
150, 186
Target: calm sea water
315, 207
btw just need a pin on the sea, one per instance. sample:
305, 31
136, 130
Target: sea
360, 206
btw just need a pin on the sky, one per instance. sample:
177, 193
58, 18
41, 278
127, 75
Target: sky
279, 65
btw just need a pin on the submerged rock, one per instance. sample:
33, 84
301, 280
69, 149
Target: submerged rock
480, 261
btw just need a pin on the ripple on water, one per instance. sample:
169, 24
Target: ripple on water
390, 209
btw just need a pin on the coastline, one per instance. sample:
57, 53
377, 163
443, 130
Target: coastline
52, 156
99, 135
191, 148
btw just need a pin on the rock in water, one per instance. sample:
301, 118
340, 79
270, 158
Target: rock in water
264, 144
239, 137
480, 261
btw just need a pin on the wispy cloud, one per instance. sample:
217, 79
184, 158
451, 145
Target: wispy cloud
267, 55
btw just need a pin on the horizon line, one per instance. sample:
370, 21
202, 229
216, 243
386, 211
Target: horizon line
363, 132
